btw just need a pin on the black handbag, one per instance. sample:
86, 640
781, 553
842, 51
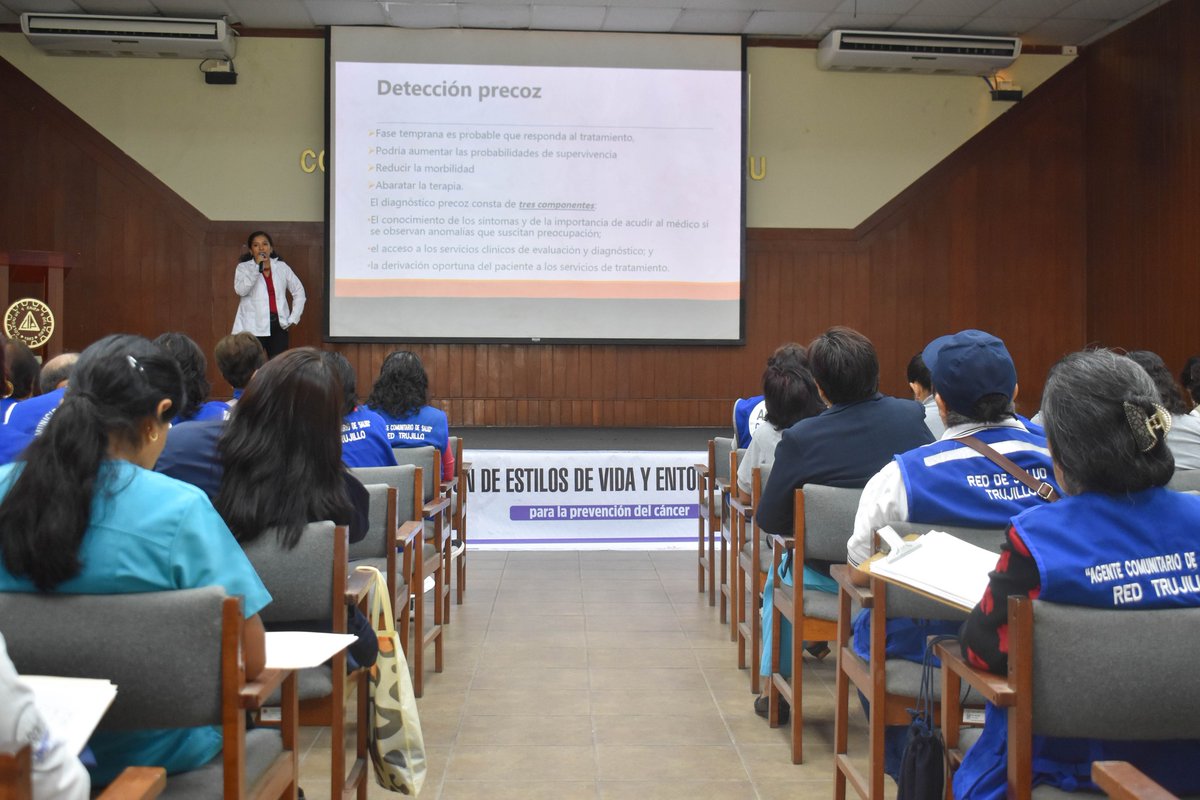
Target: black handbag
923, 766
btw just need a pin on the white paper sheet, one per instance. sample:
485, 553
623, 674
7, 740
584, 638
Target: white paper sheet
304, 649
72, 707
941, 565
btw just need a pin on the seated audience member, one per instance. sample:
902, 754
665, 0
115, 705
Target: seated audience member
790, 395
1183, 436
1190, 378
82, 513
281, 454
748, 414
27, 419
921, 384
842, 446
57, 774
364, 440
21, 373
1105, 426
401, 397
191, 455
974, 384
239, 355
196, 405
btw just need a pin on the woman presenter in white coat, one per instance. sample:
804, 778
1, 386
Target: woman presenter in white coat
263, 281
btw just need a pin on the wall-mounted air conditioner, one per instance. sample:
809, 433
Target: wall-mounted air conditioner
155, 37
893, 51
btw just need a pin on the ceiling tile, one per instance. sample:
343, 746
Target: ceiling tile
1110, 10
473, 15
784, 23
951, 8
1064, 31
44, 6
129, 8
866, 7
8, 17
654, 20
422, 15
924, 24
999, 26
567, 18
271, 13
204, 9
1027, 9
697, 20
869, 22
340, 12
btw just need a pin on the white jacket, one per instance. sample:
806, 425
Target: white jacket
254, 308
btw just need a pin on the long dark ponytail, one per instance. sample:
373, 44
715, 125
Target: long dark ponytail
117, 384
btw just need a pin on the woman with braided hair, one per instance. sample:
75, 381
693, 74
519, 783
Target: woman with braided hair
1107, 432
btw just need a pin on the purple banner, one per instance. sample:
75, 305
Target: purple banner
603, 512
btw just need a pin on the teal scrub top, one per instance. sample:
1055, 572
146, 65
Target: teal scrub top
150, 533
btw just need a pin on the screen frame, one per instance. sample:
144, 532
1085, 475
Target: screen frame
443, 339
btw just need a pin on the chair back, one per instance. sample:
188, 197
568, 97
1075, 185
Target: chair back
403, 479
379, 526
1185, 480
302, 580
161, 649
828, 520
430, 462
452, 446
1132, 673
903, 603
722, 447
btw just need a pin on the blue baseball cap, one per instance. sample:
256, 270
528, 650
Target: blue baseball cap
967, 366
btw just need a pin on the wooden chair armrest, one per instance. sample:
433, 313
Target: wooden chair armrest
434, 507
841, 574
357, 586
409, 531
722, 484
448, 485
136, 783
743, 510
994, 688
256, 692
1123, 781
784, 542
701, 470
463, 467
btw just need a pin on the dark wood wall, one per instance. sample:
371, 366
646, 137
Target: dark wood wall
1026, 231
1143, 110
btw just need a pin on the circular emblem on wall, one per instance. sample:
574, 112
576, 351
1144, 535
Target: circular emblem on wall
29, 321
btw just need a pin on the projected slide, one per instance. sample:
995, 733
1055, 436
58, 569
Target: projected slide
535, 201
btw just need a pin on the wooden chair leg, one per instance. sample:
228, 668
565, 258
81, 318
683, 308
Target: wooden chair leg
418, 659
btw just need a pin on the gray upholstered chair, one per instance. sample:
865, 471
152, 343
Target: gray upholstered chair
438, 527
176, 658
1185, 480
408, 481
390, 547
309, 582
1146, 690
822, 524
890, 685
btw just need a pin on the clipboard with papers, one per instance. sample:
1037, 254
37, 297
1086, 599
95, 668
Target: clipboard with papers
936, 565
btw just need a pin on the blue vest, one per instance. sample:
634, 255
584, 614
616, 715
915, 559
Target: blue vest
748, 414
1090, 550
25, 422
364, 442
426, 427
948, 483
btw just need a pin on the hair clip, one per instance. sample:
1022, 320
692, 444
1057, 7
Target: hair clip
133, 362
1147, 427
